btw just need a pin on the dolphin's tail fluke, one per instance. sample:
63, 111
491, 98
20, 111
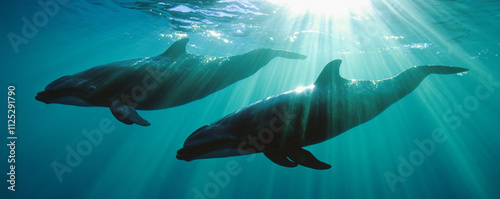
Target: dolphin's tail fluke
438, 69
416, 74
406, 81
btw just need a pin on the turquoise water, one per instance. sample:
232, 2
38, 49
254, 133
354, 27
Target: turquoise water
375, 40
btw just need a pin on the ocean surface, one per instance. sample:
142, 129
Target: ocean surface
440, 141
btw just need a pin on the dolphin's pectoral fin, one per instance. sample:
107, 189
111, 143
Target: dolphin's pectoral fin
307, 159
279, 158
127, 114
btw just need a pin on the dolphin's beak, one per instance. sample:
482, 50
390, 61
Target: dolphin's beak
62, 91
62, 97
43, 97
54, 90
53, 96
209, 141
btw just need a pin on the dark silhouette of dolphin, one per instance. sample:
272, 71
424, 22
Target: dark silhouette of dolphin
171, 79
281, 125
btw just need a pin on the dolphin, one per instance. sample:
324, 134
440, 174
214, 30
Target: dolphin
171, 79
279, 126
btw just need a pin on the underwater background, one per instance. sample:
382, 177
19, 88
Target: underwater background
375, 39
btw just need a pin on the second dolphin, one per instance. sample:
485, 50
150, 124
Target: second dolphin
281, 125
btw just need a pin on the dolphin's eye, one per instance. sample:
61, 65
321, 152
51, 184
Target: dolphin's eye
91, 88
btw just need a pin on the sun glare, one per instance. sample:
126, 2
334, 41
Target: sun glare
324, 7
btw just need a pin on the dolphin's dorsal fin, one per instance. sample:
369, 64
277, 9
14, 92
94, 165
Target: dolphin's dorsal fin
330, 74
176, 49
